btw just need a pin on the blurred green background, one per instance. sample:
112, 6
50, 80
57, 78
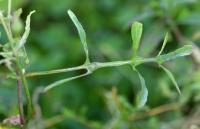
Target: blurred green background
106, 99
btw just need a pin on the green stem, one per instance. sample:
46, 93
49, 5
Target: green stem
22, 79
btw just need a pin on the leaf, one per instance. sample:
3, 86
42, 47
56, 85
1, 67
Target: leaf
136, 33
164, 44
62, 81
27, 31
170, 75
184, 51
81, 32
186, 17
143, 94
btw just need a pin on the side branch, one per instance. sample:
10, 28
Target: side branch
91, 66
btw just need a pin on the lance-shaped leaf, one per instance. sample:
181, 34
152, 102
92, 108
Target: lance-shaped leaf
62, 81
143, 93
184, 51
27, 31
81, 32
136, 33
170, 75
164, 44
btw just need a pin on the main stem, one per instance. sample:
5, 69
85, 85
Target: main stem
21, 80
25, 84
20, 103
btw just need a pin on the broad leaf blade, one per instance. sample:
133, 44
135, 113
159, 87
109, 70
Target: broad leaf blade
136, 33
27, 31
184, 51
143, 94
81, 32
170, 75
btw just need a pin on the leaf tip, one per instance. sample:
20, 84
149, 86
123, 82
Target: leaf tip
136, 23
32, 12
70, 13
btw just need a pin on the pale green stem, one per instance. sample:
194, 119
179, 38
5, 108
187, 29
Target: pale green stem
9, 17
111, 64
9, 8
55, 71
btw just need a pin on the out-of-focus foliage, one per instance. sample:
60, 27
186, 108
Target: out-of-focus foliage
107, 98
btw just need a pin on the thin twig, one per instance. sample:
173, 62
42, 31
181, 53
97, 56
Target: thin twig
154, 111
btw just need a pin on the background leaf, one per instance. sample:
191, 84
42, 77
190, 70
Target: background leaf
151, 39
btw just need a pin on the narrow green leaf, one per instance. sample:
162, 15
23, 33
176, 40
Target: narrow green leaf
143, 93
62, 81
164, 44
136, 33
81, 32
27, 31
170, 75
184, 51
